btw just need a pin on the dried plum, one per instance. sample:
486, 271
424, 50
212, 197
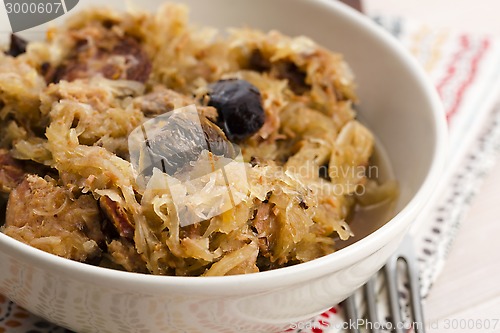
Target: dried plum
239, 104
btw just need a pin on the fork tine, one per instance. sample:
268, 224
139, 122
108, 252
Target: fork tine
404, 252
418, 313
371, 302
408, 256
352, 313
392, 286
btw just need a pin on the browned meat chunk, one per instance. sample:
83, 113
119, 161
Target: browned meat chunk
283, 69
118, 216
115, 57
123, 253
48, 217
266, 227
11, 172
17, 46
258, 62
356, 4
160, 101
287, 70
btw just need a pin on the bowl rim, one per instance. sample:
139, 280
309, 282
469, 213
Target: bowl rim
278, 278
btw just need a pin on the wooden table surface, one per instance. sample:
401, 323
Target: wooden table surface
467, 293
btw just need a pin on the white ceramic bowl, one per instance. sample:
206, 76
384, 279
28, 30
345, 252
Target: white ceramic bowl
398, 104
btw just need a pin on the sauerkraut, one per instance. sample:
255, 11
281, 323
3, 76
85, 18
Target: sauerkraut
69, 104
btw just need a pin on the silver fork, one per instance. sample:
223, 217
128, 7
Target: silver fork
390, 270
